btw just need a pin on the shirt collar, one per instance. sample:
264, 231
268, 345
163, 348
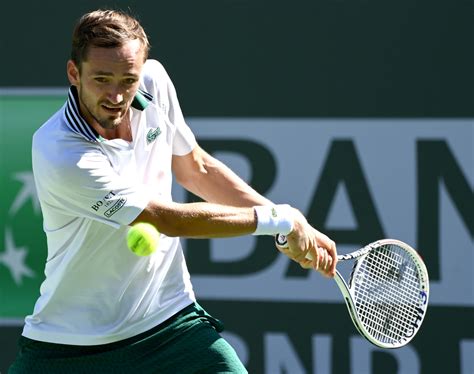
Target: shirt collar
78, 124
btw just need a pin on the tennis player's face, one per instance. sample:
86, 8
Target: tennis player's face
108, 82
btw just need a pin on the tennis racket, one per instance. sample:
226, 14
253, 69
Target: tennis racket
387, 292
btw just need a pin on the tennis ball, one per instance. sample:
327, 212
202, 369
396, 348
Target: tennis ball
143, 239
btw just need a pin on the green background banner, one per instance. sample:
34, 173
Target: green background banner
24, 243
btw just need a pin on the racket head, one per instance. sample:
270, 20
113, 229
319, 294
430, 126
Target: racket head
389, 292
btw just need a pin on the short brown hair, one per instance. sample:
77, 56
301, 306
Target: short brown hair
106, 29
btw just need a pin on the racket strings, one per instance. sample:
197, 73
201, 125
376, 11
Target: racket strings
382, 320
386, 323
387, 293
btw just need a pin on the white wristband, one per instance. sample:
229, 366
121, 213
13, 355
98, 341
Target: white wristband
274, 219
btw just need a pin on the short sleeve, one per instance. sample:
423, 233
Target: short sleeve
157, 81
184, 140
84, 184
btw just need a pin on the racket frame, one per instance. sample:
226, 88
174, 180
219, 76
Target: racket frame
347, 290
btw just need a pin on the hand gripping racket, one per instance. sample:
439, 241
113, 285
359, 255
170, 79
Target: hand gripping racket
387, 292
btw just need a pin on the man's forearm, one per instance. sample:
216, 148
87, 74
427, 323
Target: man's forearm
199, 220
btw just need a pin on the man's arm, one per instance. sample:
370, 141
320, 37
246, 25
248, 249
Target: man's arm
229, 211
198, 220
211, 180
209, 220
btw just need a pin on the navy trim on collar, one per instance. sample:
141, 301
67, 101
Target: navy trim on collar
78, 124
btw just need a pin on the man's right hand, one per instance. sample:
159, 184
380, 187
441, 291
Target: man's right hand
310, 248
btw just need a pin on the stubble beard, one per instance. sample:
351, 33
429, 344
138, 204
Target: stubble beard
106, 123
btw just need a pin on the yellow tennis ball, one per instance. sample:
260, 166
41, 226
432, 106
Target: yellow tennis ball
143, 239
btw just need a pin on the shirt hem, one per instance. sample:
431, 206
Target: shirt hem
86, 340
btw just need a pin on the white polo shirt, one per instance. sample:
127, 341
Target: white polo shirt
96, 290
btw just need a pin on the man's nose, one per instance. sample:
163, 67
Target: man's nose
115, 96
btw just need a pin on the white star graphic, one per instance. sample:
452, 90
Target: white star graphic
14, 259
28, 191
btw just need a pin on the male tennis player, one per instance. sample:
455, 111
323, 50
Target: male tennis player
103, 162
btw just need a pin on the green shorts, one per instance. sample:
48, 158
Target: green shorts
189, 342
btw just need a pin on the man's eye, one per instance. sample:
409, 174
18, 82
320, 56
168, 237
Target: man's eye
130, 81
100, 79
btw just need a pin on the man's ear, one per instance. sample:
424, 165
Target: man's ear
73, 73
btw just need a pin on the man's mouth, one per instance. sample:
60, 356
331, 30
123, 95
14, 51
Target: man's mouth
111, 109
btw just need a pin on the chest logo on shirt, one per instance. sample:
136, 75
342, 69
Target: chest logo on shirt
152, 135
